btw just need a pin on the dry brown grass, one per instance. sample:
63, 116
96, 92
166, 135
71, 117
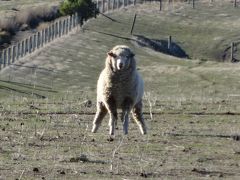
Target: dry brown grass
30, 17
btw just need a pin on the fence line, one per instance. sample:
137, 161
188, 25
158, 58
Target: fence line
38, 40
61, 27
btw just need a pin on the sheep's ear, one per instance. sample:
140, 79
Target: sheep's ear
111, 54
132, 55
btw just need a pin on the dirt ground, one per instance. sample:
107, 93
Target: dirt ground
47, 104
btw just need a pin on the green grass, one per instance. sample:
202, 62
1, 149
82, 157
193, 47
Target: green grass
194, 104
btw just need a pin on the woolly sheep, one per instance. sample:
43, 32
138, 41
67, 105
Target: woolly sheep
119, 87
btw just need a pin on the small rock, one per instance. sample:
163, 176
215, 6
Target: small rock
236, 137
110, 139
62, 172
88, 103
220, 175
143, 175
83, 158
35, 169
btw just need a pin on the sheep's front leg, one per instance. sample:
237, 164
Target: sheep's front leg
100, 114
138, 117
126, 106
112, 110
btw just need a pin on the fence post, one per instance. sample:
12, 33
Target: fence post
63, 27
1, 59
97, 5
76, 19
232, 52
118, 4
108, 5
235, 3
56, 30
169, 42
38, 39
53, 31
134, 2
113, 5
70, 24
27, 46
49, 34
30, 45
9, 52
59, 28
67, 26
34, 42
134, 20
13, 53
4, 57
46, 35
42, 38
18, 50
102, 6
193, 4
160, 5
73, 23
23, 48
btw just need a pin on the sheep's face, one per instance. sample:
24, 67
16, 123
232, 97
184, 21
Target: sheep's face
120, 58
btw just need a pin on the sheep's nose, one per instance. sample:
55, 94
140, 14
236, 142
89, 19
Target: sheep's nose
120, 65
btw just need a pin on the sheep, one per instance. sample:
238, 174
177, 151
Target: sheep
120, 87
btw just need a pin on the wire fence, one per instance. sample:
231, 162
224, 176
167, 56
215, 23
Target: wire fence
38, 40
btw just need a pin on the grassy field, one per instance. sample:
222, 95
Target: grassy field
191, 107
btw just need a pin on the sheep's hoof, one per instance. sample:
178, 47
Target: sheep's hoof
94, 129
111, 130
125, 132
143, 130
110, 139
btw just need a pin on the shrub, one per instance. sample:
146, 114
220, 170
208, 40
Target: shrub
85, 8
34, 16
31, 18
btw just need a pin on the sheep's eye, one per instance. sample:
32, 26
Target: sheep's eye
112, 54
130, 56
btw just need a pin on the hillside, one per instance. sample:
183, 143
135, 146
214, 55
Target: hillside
191, 106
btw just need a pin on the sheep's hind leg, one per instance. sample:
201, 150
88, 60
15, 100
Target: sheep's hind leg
138, 117
100, 114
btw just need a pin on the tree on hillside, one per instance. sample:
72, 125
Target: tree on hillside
86, 8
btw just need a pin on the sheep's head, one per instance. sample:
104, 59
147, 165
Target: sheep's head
121, 58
